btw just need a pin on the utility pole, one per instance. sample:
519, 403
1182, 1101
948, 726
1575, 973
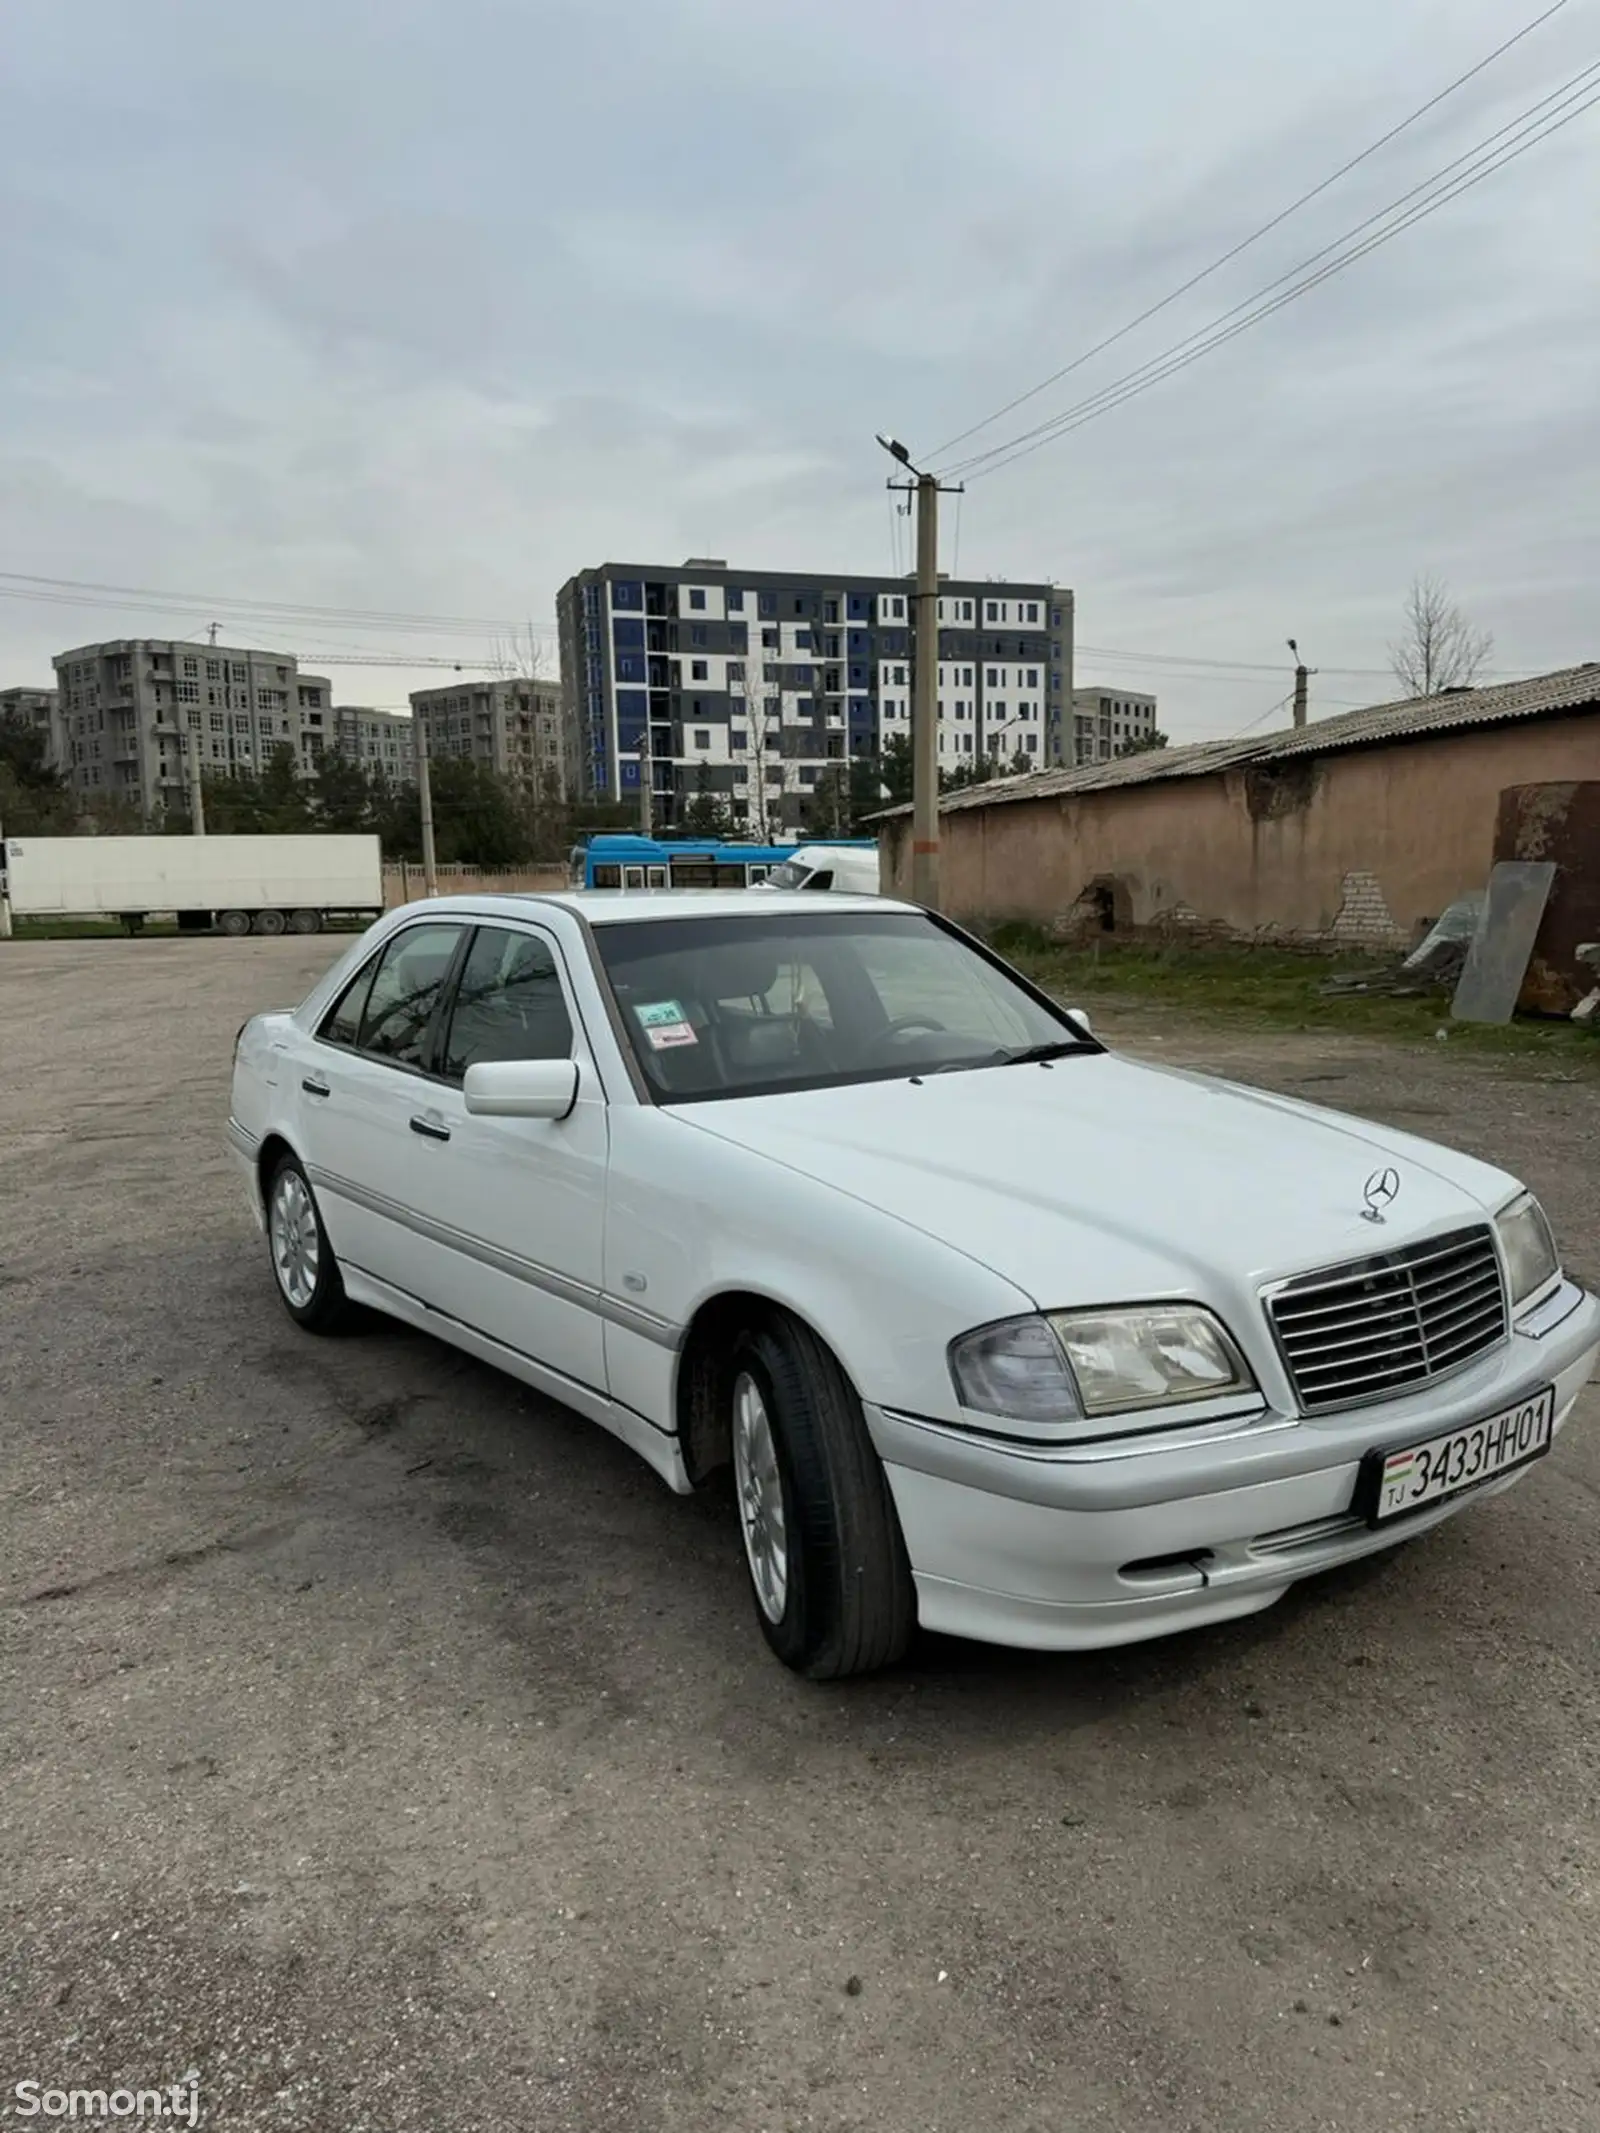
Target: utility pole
197, 798
1302, 679
925, 682
5, 900
430, 871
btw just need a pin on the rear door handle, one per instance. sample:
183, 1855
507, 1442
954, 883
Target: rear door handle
314, 1088
429, 1131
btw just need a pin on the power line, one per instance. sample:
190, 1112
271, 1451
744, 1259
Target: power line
67, 591
1184, 352
1203, 340
1231, 666
1254, 237
1282, 704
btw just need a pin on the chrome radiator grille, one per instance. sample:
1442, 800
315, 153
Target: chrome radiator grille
1371, 1328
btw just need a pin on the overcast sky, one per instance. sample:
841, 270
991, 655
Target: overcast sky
422, 305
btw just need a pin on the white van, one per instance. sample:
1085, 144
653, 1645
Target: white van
850, 867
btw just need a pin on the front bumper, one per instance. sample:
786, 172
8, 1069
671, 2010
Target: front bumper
1042, 1549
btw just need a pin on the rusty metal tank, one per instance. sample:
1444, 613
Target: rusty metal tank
1558, 821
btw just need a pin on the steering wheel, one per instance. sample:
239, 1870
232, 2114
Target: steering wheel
903, 1025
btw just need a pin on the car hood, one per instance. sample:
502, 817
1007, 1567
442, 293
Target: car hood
1096, 1177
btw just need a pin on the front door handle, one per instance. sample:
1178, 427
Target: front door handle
429, 1131
315, 1088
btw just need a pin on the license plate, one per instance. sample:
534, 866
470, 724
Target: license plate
1393, 1483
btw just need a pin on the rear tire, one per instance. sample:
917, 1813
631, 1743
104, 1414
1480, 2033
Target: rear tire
235, 924
827, 1564
268, 922
305, 921
304, 1270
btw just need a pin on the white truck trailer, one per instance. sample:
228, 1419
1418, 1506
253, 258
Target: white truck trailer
232, 885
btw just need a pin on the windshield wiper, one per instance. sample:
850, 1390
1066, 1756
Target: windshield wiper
1028, 1055
1039, 1054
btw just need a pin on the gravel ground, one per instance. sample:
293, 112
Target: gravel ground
393, 1751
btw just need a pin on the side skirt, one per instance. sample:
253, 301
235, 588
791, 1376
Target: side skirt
658, 1448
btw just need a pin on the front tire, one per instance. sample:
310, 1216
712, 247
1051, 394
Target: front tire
304, 1269
827, 1564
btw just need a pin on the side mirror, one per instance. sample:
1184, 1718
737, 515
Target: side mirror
521, 1088
1082, 1020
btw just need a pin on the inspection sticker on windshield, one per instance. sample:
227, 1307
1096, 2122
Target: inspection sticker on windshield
664, 1024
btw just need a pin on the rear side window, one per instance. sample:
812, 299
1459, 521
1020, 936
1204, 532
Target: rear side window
508, 1005
405, 991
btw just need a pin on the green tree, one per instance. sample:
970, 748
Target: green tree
34, 799
827, 810
708, 813
895, 769
342, 793
476, 817
867, 793
549, 818
271, 802
1142, 743
974, 770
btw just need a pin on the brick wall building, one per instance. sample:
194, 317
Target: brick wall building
1356, 830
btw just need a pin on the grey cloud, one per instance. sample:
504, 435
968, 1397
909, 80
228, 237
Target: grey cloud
425, 306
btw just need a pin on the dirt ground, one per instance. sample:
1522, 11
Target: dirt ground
393, 1751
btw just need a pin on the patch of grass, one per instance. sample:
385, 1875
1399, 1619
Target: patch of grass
1275, 989
85, 929
156, 929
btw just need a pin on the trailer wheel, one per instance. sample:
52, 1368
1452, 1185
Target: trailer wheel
305, 921
268, 922
235, 924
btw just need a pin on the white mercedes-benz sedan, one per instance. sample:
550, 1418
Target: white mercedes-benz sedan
998, 1332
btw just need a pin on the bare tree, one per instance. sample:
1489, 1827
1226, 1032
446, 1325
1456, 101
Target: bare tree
762, 737
521, 660
1440, 649
519, 657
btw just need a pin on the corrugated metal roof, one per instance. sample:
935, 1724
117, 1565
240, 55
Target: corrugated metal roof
1541, 696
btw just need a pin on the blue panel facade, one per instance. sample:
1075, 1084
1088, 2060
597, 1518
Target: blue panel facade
669, 650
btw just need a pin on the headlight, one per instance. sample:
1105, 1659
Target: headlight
1529, 1248
1148, 1356
1043, 1374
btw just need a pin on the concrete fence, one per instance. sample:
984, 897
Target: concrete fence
402, 882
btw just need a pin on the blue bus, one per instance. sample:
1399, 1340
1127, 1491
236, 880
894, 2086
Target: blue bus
616, 861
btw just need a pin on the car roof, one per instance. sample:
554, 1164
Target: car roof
611, 907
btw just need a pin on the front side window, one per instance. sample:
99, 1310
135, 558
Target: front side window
342, 1024
508, 1004
725, 1007
405, 990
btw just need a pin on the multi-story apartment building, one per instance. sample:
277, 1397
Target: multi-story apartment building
1106, 720
126, 709
757, 684
382, 742
514, 726
33, 708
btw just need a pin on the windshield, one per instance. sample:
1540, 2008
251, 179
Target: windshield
791, 875
717, 1007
